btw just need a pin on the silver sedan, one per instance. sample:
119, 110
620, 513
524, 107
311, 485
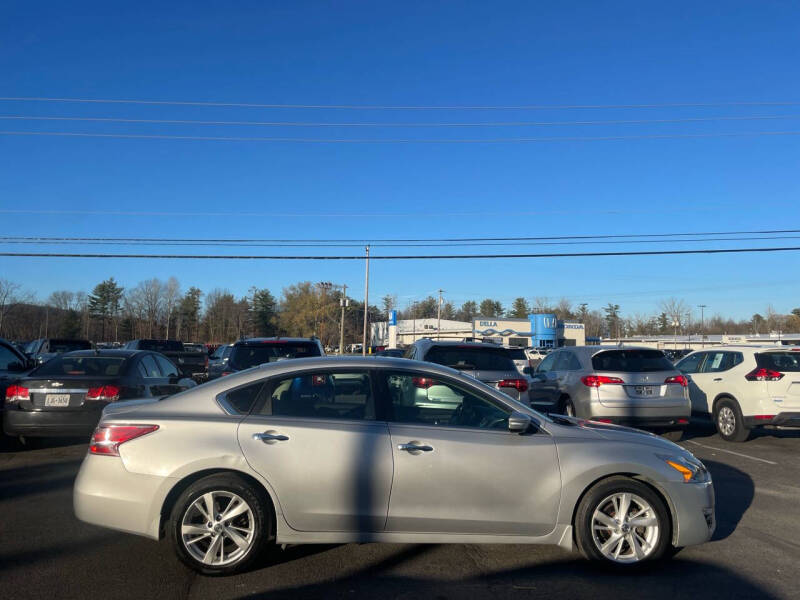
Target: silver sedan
337, 450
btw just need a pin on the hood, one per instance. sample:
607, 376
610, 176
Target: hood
575, 427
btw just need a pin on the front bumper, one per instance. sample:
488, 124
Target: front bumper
108, 495
50, 423
693, 512
787, 419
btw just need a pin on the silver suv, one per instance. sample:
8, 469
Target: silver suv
489, 363
628, 386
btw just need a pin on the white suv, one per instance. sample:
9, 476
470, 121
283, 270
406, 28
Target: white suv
742, 387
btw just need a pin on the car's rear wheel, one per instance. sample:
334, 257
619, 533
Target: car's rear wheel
220, 525
729, 421
622, 522
567, 407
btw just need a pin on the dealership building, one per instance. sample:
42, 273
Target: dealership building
540, 330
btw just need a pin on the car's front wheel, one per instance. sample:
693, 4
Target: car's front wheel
622, 522
220, 525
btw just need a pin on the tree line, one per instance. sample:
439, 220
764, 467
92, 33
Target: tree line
163, 309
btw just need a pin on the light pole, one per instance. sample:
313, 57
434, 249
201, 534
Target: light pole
366, 304
344, 302
439, 317
702, 308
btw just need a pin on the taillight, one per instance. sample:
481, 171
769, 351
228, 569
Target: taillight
206, 362
15, 393
763, 417
598, 380
224, 373
106, 439
762, 374
422, 382
518, 384
107, 393
679, 379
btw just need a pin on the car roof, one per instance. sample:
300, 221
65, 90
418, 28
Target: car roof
291, 340
108, 352
456, 344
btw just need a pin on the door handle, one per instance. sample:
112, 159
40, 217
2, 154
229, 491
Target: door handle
410, 447
717, 378
268, 437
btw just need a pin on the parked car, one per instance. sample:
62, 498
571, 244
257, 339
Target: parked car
44, 349
676, 355
743, 387
391, 352
258, 351
632, 386
194, 347
66, 395
218, 362
287, 457
521, 360
490, 363
190, 363
13, 365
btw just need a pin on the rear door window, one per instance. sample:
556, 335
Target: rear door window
167, 368
148, 367
631, 361
322, 395
716, 362
547, 364
470, 358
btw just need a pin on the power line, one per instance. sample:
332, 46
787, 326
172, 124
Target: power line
390, 124
395, 107
209, 138
519, 242
400, 257
362, 241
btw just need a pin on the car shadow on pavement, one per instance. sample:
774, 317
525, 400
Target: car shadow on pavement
37, 479
734, 491
569, 578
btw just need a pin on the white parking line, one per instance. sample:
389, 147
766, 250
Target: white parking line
764, 460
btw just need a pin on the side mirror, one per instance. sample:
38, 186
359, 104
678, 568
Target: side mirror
526, 371
519, 422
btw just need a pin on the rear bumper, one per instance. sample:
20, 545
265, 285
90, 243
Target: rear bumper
788, 419
108, 495
50, 423
644, 422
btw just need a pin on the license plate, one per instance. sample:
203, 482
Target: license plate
645, 390
56, 400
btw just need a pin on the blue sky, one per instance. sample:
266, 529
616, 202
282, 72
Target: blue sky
409, 54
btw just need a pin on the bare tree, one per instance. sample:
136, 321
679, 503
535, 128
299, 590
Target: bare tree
676, 311
171, 295
9, 296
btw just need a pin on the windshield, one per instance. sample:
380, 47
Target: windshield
631, 361
471, 358
100, 366
161, 345
246, 356
785, 362
61, 346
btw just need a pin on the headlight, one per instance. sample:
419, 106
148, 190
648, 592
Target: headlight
691, 469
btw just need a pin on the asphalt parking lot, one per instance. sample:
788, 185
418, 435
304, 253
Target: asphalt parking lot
47, 553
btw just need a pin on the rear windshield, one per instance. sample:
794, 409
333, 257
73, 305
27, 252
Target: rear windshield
246, 356
631, 361
161, 345
517, 354
785, 362
469, 358
60, 346
81, 365
194, 348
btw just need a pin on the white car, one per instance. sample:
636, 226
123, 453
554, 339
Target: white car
742, 387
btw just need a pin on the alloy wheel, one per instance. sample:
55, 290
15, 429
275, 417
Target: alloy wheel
726, 420
625, 528
218, 528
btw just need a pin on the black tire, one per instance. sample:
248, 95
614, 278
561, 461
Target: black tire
674, 435
730, 431
596, 497
262, 522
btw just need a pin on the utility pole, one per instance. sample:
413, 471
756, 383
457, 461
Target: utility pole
702, 308
366, 305
439, 317
344, 302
